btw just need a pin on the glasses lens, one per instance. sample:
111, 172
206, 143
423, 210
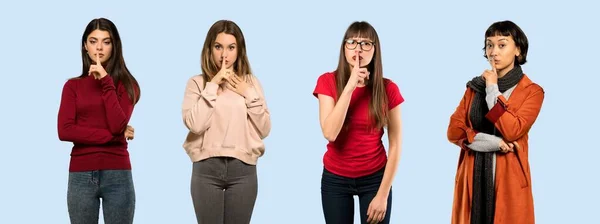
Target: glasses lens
366, 46
351, 44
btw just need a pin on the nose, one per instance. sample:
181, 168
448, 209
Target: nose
224, 54
99, 46
493, 52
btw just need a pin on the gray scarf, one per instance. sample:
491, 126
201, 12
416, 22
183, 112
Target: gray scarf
483, 204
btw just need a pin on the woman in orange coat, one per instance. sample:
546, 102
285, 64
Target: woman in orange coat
491, 125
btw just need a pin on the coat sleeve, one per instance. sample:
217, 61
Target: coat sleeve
458, 132
514, 122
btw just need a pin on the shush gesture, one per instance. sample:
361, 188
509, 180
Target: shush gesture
96, 69
490, 76
359, 75
223, 75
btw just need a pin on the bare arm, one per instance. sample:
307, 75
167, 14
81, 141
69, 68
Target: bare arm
332, 114
395, 138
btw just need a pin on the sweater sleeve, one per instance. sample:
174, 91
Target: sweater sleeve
198, 105
485, 143
258, 112
117, 105
69, 130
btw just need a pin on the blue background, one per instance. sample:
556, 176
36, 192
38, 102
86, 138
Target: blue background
430, 49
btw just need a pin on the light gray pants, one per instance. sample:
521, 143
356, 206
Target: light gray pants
223, 190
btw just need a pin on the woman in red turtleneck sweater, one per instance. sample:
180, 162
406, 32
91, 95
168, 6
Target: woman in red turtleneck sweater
94, 112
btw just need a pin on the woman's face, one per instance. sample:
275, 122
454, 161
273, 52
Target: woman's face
225, 49
501, 51
363, 46
99, 43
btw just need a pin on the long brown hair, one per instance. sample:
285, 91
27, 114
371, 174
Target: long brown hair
378, 106
209, 66
115, 66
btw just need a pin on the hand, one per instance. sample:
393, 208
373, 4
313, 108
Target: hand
506, 147
377, 209
490, 76
97, 70
223, 74
129, 132
517, 146
236, 84
358, 74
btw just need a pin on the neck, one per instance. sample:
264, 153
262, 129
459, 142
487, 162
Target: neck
502, 72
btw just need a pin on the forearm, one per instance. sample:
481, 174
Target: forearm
485, 143
198, 108
83, 135
390, 171
258, 112
491, 95
512, 121
118, 108
335, 120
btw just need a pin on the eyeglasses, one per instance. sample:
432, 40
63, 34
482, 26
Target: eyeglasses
364, 45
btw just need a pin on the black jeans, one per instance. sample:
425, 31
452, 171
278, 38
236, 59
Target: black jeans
223, 190
337, 196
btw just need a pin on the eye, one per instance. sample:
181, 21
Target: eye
502, 45
488, 46
218, 47
350, 41
231, 47
107, 43
92, 41
366, 44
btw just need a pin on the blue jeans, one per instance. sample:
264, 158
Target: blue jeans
337, 196
115, 187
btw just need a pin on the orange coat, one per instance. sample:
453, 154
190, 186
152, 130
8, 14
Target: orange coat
513, 118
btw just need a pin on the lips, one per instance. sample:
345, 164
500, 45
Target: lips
359, 57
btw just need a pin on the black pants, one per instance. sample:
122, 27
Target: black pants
224, 190
337, 196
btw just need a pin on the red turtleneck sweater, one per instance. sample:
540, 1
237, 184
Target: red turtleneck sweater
93, 115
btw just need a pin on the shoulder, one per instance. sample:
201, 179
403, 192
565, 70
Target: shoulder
531, 86
197, 78
327, 76
389, 83
72, 83
253, 79
390, 86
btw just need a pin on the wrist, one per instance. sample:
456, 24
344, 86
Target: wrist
349, 88
383, 193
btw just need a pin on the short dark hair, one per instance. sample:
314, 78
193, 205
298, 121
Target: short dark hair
508, 28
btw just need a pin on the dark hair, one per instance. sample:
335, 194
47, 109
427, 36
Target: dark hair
508, 28
209, 66
115, 66
379, 102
